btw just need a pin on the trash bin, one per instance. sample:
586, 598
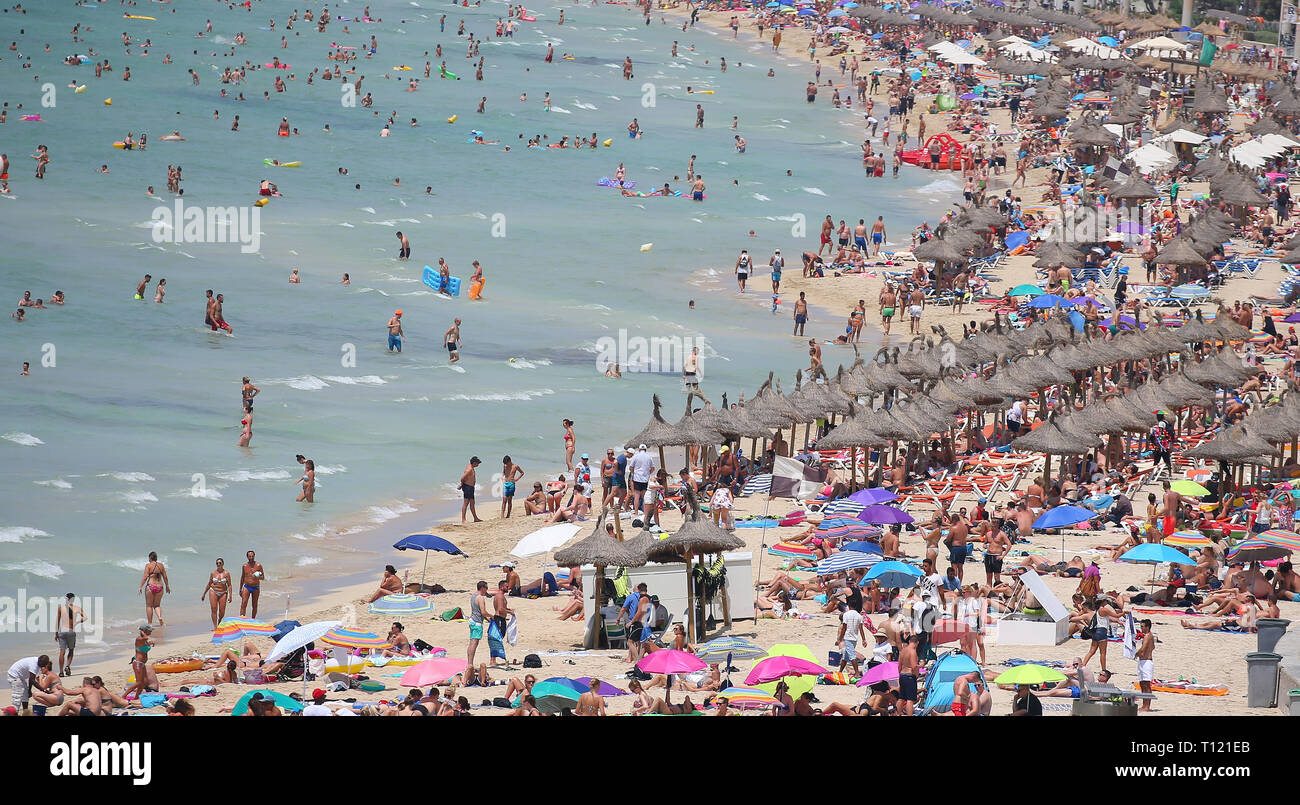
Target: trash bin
1261, 678
1294, 695
1270, 631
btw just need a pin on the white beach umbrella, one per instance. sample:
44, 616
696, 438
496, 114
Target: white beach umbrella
300, 636
544, 540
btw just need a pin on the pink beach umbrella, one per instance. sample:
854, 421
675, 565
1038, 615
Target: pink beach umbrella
432, 672
670, 661
885, 672
773, 668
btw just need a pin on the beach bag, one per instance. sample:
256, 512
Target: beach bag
501, 701
532, 661
421, 646
1090, 629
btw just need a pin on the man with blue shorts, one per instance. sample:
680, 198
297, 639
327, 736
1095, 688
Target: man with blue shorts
395, 332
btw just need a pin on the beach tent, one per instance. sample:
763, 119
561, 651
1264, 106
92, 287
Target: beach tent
937, 696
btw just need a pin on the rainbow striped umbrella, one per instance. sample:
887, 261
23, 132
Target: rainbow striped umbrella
348, 637
1260, 337
1280, 537
1187, 539
844, 528
1256, 550
748, 698
232, 629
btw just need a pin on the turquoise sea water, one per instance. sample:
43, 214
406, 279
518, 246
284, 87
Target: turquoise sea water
127, 443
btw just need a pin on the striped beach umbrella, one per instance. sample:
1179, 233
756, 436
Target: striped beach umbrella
348, 637
231, 629
846, 560
720, 648
1259, 337
1187, 539
1281, 538
844, 528
401, 604
843, 508
748, 698
1256, 550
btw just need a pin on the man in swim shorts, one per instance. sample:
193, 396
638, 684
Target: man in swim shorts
1146, 665
467, 482
404, 250
452, 339
144, 283
395, 332
860, 235
250, 583
877, 235
697, 189
888, 302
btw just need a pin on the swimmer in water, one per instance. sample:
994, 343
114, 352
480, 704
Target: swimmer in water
161, 291
293, 277
346, 280
140, 289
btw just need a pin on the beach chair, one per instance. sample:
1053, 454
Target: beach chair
615, 634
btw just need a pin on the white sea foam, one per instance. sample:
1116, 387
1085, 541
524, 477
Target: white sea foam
382, 514
761, 197
188, 549
939, 187
524, 363
504, 396
57, 483
816, 191
302, 383
238, 476
137, 496
308, 561
129, 477
421, 398
350, 380
18, 533
34, 567
561, 110
25, 439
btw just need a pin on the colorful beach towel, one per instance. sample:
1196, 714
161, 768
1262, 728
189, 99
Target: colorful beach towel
791, 550
1191, 688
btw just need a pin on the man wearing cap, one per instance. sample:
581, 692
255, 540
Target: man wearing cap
317, 706
395, 332
512, 578
467, 481
582, 472
641, 466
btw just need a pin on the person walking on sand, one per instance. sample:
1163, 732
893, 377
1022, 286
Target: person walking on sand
308, 481
877, 235
467, 482
217, 591
452, 339
888, 304
916, 304
777, 264
395, 333
65, 634
801, 314
510, 473
251, 574
155, 576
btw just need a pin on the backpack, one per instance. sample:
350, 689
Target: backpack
532, 661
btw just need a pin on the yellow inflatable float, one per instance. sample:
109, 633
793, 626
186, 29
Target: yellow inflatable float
607, 143
452, 119
261, 202
108, 101
79, 90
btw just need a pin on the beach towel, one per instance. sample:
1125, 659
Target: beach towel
791, 550
512, 630
453, 615
1130, 637
769, 523
1016, 661
1191, 688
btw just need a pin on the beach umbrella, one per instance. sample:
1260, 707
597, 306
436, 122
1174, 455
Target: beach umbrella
798, 685
670, 661
401, 604
1189, 488
1029, 674
885, 672
726, 649
1049, 300
776, 667
696, 536
1026, 290
552, 697
283, 628
1187, 539
544, 540
1282, 538
893, 574
838, 29
231, 629
605, 688
844, 528
281, 700
1061, 516
1179, 252
862, 546
868, 497
348, 637
299, 637
845, 560
748, 698
432, 672
427, 543
1254, 549
884, 514
1155, 553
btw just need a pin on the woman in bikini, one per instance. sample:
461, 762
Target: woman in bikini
140, 663
246, 435
569, 440
155, 576
308, 481
217, 592
249, 391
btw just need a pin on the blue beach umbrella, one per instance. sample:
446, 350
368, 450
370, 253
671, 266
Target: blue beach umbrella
427, 543
1155, 553
1049, 300
861, 546
1062, 516
893, 574
838, 13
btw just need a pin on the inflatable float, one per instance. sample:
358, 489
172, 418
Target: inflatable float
450, 74
476, 288
139, 17
605, 181
452, 119
108, 101
528, 19
273, 164
607, 143
32, 118
434, 280
261, 202
277, 66
79, 90
950, 153
1187, 687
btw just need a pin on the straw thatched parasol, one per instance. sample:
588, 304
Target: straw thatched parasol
1179, 252
658, 432
1136, 188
